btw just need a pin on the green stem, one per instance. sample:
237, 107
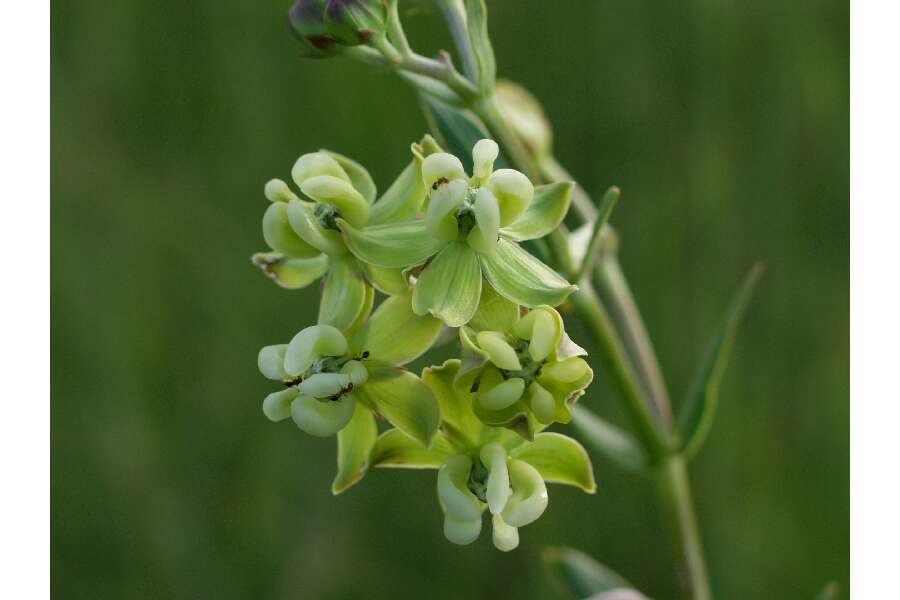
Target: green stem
678, 511
455, 15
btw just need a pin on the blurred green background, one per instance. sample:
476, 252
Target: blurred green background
726, 125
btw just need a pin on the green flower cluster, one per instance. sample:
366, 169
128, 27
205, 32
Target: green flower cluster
443, 247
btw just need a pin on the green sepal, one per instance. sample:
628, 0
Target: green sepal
355, 22
582, 576
495, 313
305, 224
281, 236
703, 395
403, 200
458, 422
386, 281
546, 211
396, 450
354, 444
291, 273
404, 400
522, 278
358, 174
395, 334
344, 294
450, 286
559, 459
391, 245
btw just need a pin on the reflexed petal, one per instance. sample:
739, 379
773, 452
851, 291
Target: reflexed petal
450, 286
529, 499
484, 153
386, 281
505, 536
310, 344
502, 354
315, 164
305, 224
440, 218
513, 191
354, 443
483, 237
441, 165
544, 214
401, 201
395, 334
277, 190
457, 417
558, 459
493, 456
322, 418
393, 245
461, 532
330, 190
522, 278
291, 273
344, 294
271, 362
277, 405
324, 385
404, 400
358, 174
453, 489
394, 449
279, 234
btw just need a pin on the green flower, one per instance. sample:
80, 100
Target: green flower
525, 372
482, 468
470, 231
336, 385
307, 244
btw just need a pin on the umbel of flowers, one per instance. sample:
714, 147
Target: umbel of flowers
443, 246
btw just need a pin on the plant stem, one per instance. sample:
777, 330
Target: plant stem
674, 490
455, 15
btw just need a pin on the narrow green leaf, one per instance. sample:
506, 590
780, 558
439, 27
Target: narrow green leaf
546, 211
403, 199
458, 420
614, 443
580, 574
703, 395
476, 19
450, 286
291, 273
395, 334
392, 245
359, 175
603, 214
396, 450
355, 442
559, 459
344, 294
495, 313
522, 278
404, 400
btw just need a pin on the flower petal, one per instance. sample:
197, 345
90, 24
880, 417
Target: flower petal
453, 489
441, 165
395, 334
354, 443
513, 191
280, 236
544, 214
277, 405
559, 459
394, 449
310, 344
404, 400
386, 281
497, 491
340, 194
344, 294
440, 218
522, 278
403, 199
504, 535
315, 164
483, 237
484, 153
305, 224
392, 245
322, 418
529, 498
271, 362
457, 419
450, 286
291, 273
358, 174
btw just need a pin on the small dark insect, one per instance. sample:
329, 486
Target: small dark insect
295, 381
439, 182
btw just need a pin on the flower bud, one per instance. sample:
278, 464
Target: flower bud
271, 362
325, 385
525, 116
529, 498
453, 490
494, 458
355, 22
498, 349
513, 191
307, 20
461, 532
277, 406
312, 343
505, 536
322, 418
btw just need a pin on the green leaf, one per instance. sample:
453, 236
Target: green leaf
476, 19
404, 400
395, 334
580, 574
450, 286
291, 273
495, 313
392, 245
702, 397
458, 131
614, 443
403, 199
344, 294
458, 421
396, 450
559, 459
359, 175
386, 281
522, 278
355, 442
546, 211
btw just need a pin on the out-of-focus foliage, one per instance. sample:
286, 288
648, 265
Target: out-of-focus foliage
725, 125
